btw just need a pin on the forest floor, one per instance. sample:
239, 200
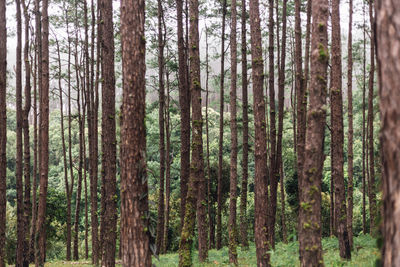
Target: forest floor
285, 255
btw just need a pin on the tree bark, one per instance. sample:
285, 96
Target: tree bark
232, 228
350, 130
245, 161
363, 129
109, 142
260, 145
281, 103
221, 131
195, 200
184, 103
134, 199
310, 192
337, 141
40, 238
19, 259
370, 129
161, 110
3, 131
388, 41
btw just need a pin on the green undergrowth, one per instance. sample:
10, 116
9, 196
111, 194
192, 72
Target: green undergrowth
364, 254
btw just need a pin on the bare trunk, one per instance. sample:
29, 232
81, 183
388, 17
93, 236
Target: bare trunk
245, 160
310, 190
134, 200
221, 131
260, 145
3, 131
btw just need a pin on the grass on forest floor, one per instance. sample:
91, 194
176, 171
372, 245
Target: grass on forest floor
285, 255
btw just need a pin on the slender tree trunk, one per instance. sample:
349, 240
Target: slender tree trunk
370, 128
337, 141
245, 161
232, 227
310, 193
210, 199
3, 131
274, 170
363, 130
307, 48
221, 131
387, 43
161, 110
134, 199
19, 161
40, 238
350, 130
281, 102
184, 103
109, 142
260, 150
69, 186
25, 125
168, 167
195, 201
35, 142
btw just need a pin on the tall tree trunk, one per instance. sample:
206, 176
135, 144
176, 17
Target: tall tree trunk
260, 144
307, 48
210, 200
19, 162
281, 102
168, 167
245, 161
350, 130
363, 129
232, 227
69, 185
134, 199
195, 200
108, 140
161, 110
274, 171
184, 103
221, 131
62, 118
310, 193
388, 41
35, 137
301, 105
44, 139
370, 128
3, 131
27, 155
337, 141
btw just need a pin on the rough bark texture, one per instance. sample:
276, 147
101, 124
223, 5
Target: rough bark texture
19, 151
108, 138
195, 201
310, 193
25, 125
363, 130
184, 103
221, 131
350, 130
274, 171
161, 110
370, 128
337, 140
260, 145
134, 199
3, 131
245, 161
388, 41
301, 100
40, 238
232, 229
281, 102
